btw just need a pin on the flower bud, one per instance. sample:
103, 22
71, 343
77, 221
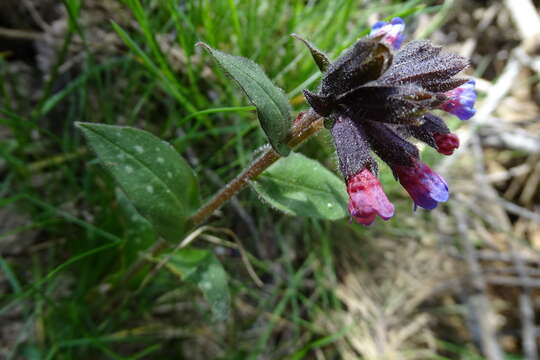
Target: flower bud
461, 101
446, 143
367, 198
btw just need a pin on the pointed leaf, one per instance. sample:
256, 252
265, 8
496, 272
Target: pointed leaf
272, 105
320, 58
301, 186
154, 177
202, 268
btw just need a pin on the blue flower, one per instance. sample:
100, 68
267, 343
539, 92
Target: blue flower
392, 33
461, 101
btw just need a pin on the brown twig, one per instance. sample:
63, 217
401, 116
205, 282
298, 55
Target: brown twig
526, 312
513, 281
480, 309
243, 253
527, 21
500, 256
529, 271
20, 34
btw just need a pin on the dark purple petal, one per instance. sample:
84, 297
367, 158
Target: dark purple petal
421, 63
323, 105
388, 145
351, 146
438, 85
390, 104
364, 62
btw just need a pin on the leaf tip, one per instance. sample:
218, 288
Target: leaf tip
80, 124
320, 58
202, 44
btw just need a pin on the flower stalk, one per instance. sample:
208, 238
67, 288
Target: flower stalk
306, 125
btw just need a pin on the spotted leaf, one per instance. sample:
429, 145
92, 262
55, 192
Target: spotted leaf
203, 269
271, 102
155, 178
298, 185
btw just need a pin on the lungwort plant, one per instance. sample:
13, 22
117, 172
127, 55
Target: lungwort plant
374, 98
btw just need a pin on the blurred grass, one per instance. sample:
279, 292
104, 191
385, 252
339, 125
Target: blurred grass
82, 234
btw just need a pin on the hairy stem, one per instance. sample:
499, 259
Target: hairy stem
306, 125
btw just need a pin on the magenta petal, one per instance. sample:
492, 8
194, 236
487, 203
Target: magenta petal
367, 198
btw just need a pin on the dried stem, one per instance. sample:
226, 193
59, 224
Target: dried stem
480, 314
20, 34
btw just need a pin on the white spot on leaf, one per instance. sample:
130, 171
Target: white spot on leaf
150, 189
206, 285
139, 149
160, 160
128, 169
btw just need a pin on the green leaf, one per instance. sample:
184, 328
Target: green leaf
155, 178
320, 58
272, 105
301, 186
202, 268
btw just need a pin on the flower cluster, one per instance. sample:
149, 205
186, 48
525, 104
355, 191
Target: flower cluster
377, 96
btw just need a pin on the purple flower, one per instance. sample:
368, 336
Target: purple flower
367, 198
391, 33
426, 187
446, 143
378, 96
461, 101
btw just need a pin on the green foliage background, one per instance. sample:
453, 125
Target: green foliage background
73, 235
